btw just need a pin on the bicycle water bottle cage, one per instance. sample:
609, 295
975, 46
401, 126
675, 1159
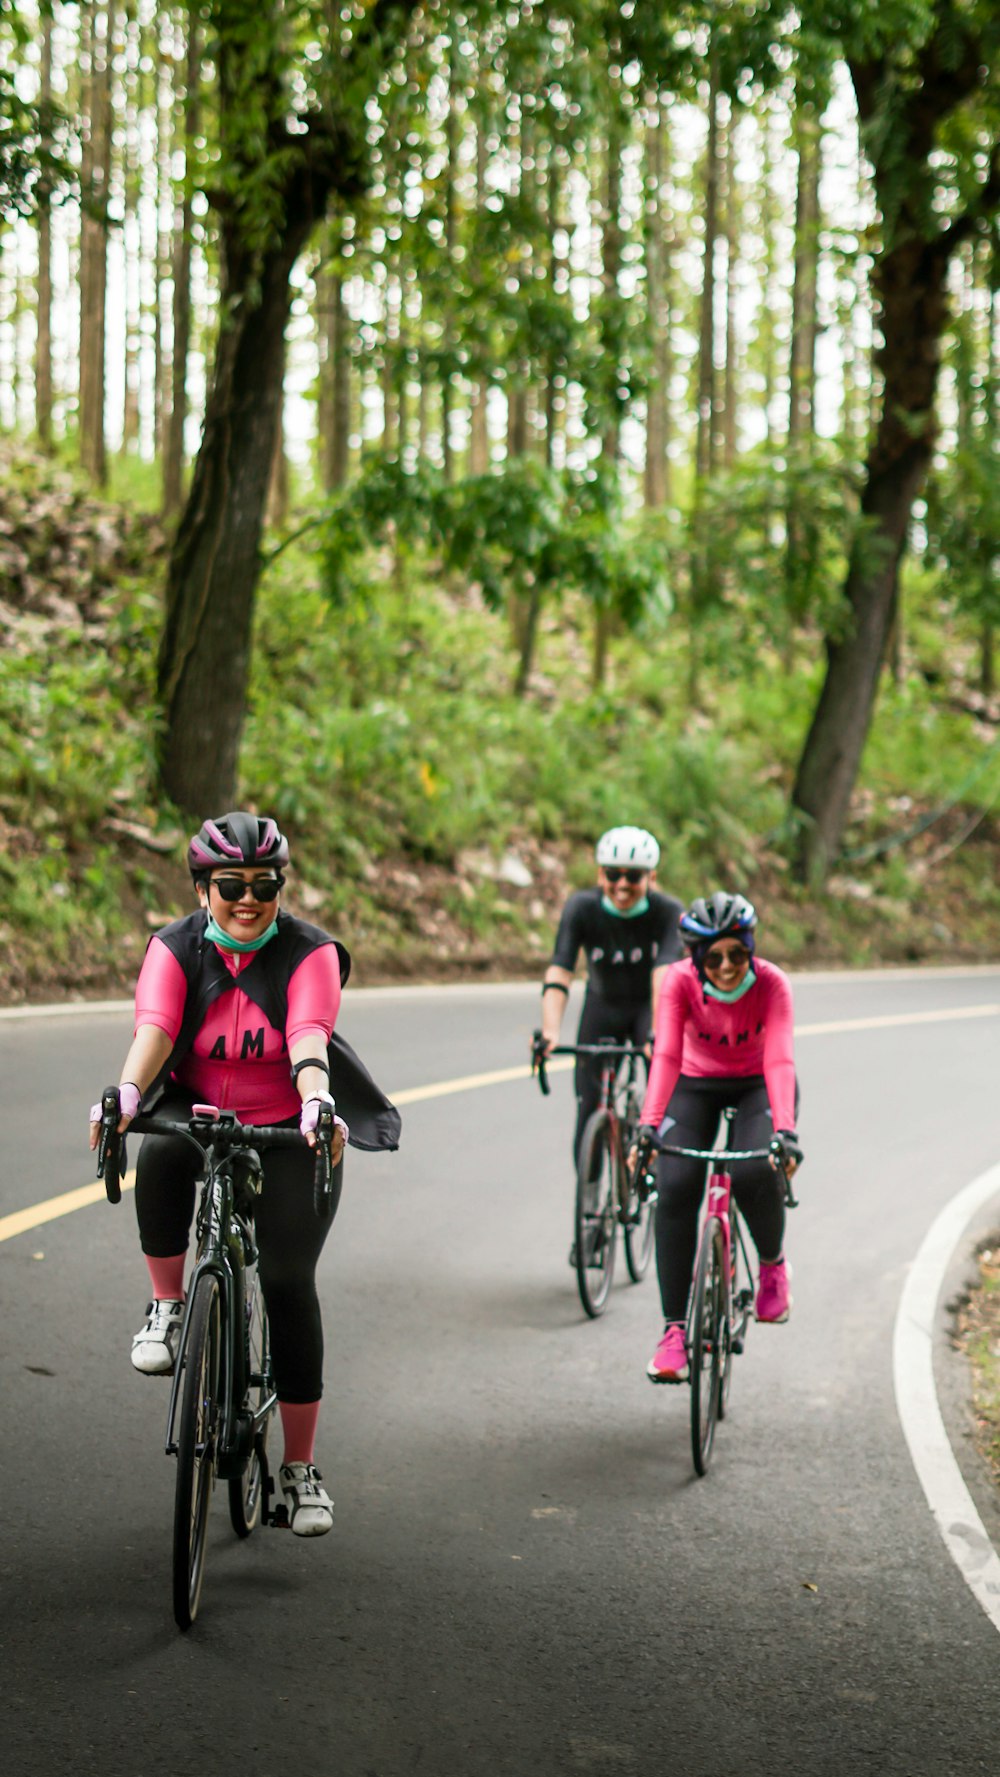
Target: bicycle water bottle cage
248, 1172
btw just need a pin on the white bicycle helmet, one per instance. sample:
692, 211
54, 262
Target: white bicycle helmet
628, 847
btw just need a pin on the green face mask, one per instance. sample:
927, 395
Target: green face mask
728, 999
218, 936
633, 912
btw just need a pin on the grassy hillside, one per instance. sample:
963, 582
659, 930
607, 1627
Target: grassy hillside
438, 822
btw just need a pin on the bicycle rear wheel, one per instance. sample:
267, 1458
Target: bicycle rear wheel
596, 1219
246, 1491
707, 1342
196, 1433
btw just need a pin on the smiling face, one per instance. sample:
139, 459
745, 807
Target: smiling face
726, 964
246, 918
624, 888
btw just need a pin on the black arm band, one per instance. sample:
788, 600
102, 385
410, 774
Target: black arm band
311, 1061
557, 985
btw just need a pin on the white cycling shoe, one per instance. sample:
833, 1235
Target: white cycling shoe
310, 1508
154, 1348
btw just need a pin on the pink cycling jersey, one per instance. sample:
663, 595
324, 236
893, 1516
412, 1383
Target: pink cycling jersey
704, 1038
238, 1061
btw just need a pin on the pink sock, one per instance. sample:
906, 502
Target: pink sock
166, 1277
298, 1422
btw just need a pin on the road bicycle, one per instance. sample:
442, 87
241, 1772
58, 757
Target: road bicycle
222, 1396
725, 1280
606, 1198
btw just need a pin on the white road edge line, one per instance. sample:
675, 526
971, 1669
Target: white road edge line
951, 1504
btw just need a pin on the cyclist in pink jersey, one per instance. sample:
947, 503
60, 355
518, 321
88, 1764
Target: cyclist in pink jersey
724, 1036
235, 1006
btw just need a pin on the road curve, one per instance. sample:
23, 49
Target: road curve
524, 1577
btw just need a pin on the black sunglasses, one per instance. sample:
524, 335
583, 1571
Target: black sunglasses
615, 875
736, 954
233, 888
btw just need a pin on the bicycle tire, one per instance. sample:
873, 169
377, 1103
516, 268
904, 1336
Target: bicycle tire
708, 1335
741, 1295
196, 1431
246, 1491
639, 1239
595, 1216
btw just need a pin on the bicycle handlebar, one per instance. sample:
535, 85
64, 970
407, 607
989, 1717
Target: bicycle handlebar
611, 1051
202, 1131
775, 1152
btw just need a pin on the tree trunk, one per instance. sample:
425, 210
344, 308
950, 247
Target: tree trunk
215, 562
43, 328
910, 285
450, 232
479, 438
732, 224
656, 473
705, 444
802, 355
611, 263
173, 431
335, 397
530, 608
93, 250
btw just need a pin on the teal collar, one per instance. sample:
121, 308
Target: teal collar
729, 999
633, 912
216, 935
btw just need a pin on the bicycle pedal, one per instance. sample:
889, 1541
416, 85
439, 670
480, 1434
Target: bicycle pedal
736, 1346
279, 1518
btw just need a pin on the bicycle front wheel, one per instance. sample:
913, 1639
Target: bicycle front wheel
595, 1221
196, 1434
246, 1491
707, 1342
639, 1239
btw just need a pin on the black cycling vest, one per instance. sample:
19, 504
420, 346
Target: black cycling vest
373, 1121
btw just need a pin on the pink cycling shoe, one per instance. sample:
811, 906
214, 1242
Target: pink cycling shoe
669, 1362
774, 1299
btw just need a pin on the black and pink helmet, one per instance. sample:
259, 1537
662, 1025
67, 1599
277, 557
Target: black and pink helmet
237, 839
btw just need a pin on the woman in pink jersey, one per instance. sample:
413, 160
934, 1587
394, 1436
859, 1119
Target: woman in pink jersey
235, 1006
724, 1036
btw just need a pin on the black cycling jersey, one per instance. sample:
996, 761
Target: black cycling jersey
621, 953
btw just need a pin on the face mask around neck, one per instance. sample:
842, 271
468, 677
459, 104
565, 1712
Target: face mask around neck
216, 935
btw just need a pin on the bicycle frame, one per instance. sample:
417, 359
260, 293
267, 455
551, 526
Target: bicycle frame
225, 1248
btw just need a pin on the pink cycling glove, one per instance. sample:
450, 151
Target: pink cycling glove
129, 1097
310, 1115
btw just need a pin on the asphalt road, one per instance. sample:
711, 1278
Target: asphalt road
524, 1577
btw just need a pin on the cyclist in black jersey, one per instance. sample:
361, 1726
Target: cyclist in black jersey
629, 934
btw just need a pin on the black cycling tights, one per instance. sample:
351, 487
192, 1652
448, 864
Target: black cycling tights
692, 1121
602, 1018
290, 1238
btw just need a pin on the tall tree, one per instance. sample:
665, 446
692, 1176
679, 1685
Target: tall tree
282, 157
928, 93
95, 180
187, 124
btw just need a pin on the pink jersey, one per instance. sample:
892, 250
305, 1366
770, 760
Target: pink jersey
704, 1038
238, 1061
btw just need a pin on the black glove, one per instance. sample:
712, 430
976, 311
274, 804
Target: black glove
790, 1148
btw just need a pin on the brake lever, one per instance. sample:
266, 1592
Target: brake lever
323, 1169
111, 1146
538, 1059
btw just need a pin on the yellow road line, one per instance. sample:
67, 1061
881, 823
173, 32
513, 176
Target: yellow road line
23, 1220
444, 1088
888, 1019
